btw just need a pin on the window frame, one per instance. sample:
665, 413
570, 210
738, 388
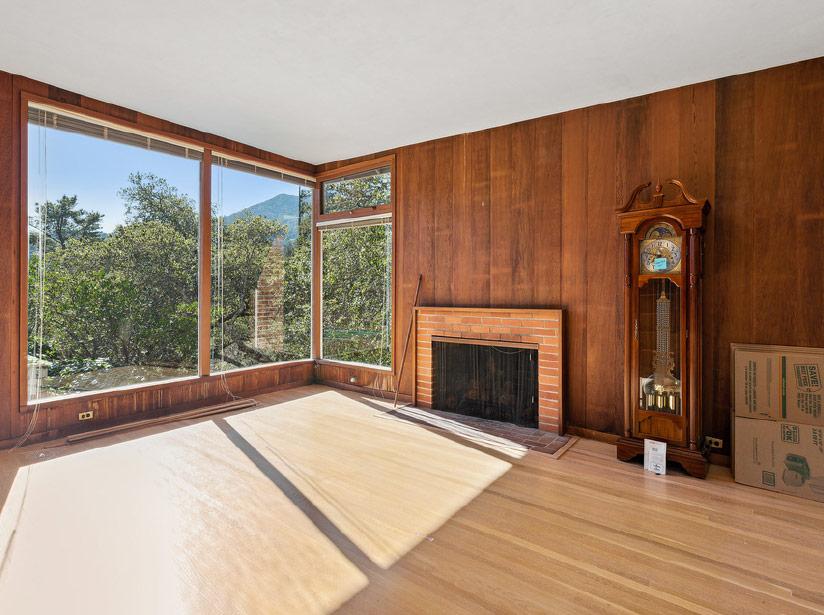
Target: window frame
333, 220
215, 153
204, 371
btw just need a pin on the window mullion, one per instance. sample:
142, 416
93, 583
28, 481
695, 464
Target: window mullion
204, 314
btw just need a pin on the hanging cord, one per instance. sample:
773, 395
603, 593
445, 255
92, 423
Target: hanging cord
220, 283
387, 290
42, 217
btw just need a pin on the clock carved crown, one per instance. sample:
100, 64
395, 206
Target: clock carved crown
681, 207
658, 198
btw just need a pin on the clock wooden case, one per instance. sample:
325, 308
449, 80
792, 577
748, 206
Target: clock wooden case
662, 327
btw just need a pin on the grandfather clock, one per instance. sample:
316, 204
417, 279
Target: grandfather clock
662, 327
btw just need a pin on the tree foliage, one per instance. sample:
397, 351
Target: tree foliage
357, 294
129, 298
64, 220
357, 192
149, 198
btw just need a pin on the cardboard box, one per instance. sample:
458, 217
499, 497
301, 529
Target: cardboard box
778, 383
780, 456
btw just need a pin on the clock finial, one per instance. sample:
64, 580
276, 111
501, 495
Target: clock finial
658, 198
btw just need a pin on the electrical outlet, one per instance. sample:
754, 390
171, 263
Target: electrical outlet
713, 442
85, 416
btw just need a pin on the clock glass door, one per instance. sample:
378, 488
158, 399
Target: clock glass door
659, 347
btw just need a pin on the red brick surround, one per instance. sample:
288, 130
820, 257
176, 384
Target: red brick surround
541, 327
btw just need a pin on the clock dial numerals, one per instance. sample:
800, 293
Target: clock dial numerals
661, 255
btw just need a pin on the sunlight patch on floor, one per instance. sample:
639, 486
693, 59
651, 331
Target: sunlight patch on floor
386, 483
178, 522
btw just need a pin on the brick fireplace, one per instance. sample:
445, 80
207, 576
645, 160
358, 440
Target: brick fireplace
537, 328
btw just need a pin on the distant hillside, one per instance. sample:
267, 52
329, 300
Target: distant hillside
283, 208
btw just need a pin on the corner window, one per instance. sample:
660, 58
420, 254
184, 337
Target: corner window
356, 267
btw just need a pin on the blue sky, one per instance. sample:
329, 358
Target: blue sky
95, 170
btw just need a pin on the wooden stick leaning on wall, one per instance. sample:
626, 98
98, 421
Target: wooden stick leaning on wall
406, 342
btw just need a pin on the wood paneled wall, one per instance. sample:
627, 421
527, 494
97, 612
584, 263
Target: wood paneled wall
523, 216
766, 245
361, 378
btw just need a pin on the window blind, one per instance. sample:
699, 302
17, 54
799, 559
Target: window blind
69, 122
270, 172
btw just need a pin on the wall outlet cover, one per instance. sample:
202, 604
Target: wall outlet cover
713, 442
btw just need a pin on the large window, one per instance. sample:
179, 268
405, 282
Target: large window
261, 266
115, 260
113, 256
356, 268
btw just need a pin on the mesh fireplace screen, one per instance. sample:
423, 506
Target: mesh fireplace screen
491, 382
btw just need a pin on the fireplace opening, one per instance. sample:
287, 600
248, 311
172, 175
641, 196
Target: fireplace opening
497, 382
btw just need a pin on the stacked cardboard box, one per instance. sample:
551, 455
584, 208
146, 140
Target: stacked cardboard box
779, 425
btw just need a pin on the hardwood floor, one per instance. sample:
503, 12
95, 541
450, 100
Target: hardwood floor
320, 499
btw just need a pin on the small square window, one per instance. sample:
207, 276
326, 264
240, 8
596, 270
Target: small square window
369, 189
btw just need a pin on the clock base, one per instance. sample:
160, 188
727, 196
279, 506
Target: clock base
693, 462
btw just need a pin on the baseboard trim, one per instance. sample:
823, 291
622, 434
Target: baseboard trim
716, 459
719, 459
592, 434
386, 395
43, 437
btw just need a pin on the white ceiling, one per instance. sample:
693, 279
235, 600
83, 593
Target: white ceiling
325, 80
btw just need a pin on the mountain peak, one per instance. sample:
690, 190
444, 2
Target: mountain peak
283, 207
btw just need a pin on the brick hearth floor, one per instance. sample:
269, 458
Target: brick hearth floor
533, 439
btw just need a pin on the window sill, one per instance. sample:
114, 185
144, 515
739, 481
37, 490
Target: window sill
377, 368
49, 403
252, 368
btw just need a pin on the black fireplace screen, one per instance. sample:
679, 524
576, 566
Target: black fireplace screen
490, 382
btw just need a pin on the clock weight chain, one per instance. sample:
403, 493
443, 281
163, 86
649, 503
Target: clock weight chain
661, 391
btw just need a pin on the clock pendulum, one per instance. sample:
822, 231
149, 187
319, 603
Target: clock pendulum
662, 390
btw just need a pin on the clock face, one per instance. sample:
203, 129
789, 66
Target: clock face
661, 255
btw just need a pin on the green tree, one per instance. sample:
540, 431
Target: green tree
357, 192
239, 252
126, 299
64, 220
297, 308
129, 298
357, 294
151, 198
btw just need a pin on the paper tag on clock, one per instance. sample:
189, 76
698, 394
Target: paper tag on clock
655, 456
659, 264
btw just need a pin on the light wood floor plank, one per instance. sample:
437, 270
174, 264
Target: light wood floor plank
320, 500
